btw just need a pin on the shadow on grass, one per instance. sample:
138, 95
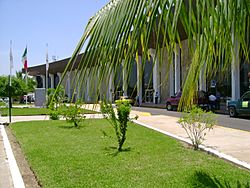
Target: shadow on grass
202, 179
114, 152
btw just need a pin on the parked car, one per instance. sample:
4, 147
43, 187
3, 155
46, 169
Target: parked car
240, 107
30, 98
202, 100
6, 99
126, 98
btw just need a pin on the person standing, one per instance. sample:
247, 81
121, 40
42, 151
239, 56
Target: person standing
212, 101
217, 100
138, 100
156, 97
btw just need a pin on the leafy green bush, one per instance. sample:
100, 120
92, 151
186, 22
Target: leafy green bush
55, 98
197, 123
118, 122
129, 101
54, 114
72, 113
55, 95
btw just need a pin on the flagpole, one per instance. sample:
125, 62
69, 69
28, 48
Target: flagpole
46, 79
25, 65
26, 81
10, 84
11, 60
26, 76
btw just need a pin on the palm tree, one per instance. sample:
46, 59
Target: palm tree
124, 29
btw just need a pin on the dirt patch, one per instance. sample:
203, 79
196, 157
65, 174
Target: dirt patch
28, 175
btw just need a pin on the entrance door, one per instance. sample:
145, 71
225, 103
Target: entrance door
149, 95
118, 94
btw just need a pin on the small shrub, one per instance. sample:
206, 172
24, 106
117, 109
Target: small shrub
55, 96
197, 123
119, 122
73, 113
54, 114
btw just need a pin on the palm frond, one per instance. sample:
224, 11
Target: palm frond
124, 29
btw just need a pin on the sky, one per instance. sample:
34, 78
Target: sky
31, 23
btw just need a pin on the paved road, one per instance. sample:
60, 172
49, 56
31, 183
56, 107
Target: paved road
5, 175
222, 120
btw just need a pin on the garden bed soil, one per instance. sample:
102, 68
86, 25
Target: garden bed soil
28, 175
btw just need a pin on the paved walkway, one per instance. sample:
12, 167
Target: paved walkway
229, 141
5, 176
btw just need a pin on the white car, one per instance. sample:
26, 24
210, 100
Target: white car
6, 99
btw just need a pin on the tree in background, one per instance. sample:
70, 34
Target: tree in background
18, 86
31, 83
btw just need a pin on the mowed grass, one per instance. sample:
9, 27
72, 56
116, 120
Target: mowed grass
25, 111
62, 156
33, 111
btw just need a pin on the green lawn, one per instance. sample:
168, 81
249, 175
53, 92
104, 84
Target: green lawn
62, 156
25, 111
32, 111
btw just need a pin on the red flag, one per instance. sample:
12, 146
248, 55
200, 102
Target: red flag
24, 59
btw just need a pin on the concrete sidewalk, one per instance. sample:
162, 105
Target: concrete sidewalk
10, 175
5, 175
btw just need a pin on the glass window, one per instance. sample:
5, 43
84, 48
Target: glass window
246, 96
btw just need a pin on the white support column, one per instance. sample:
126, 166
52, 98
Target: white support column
68, 85
74, 87
202, 79
33, 77
124, 79
103, 86
235, 68
99, 84
78, 91
139, 79
44, 80
59, 76
111, 88
94, 84
177, 68
87, 90
156, 74
52, 80
171, 79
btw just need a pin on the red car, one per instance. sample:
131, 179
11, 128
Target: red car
173, 102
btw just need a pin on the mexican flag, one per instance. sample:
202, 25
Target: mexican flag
24, 59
